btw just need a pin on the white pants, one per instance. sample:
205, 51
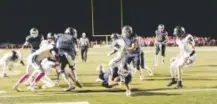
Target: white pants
115, 61
47, 67
31, 65
177, 64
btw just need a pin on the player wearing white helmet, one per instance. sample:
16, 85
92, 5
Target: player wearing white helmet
50, 40
160, 43
8, 60
119, 48
34, 40
186, 45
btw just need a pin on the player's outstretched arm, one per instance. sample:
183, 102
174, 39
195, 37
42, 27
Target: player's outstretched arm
112, 52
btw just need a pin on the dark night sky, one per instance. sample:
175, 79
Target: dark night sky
16, 18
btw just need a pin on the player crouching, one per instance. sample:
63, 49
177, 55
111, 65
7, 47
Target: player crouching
115, 77
186, 45
8, 60
35, 62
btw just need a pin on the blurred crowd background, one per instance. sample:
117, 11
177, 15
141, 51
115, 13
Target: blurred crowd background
143, 41
200, 41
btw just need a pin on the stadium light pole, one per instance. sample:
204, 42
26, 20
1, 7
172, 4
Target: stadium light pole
121, 10
92, 17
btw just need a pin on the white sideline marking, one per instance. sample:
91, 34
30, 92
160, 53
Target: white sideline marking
117, 93
186, 90
60, 103
2, 92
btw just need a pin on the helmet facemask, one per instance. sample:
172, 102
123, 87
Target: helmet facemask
126, 31
34, 32
161, 28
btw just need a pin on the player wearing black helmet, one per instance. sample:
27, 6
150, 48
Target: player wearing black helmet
186, 45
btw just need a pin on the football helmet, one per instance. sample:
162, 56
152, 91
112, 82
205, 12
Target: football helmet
71, 31
114, 36
83, 35
160, 27
179, 31
34, 32
127, 31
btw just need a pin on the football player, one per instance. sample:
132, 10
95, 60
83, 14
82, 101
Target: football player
132, 48
34, 61
143, 65
186, 45
66, 44
34, 40
115, 77
47, 63
50, 40
160, 43
119, 48
8, 60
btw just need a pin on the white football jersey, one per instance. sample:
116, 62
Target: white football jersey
184, 44
45, 43
47, 65
43, 52
120, 46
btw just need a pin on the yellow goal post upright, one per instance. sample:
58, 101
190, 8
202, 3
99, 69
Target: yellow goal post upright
106, 37
92, 20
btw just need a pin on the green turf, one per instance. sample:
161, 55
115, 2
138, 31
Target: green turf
200, 81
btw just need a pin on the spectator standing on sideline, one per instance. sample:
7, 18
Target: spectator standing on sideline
84, 45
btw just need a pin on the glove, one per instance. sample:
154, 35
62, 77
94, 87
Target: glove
192, 53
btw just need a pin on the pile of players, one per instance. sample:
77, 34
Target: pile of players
128, 51
54, 53
60, 49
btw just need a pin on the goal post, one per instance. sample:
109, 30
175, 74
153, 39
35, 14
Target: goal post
106, 37
93, 22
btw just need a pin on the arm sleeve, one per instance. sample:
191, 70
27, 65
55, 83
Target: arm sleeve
191, 40
28, 38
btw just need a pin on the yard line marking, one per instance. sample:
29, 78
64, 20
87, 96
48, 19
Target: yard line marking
59, 103
2, 92
114, 93
186, 90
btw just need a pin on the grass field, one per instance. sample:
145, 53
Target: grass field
200, 83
